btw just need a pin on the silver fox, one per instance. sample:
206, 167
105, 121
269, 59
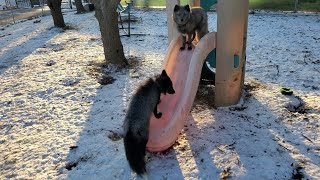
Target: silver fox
192, 22
136, 124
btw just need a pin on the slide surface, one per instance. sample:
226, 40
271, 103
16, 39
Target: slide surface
184, 69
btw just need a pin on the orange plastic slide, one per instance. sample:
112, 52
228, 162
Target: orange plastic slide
184, 69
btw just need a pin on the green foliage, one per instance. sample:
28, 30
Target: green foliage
285, 5
282, 5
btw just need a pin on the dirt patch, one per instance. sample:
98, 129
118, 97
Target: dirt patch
205, 97
252, 86
134, 62
105, 80
97, 70
225, 174
71, 27
114, 136
297, 174
70, 165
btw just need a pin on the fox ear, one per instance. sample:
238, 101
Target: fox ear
176, 8
187, 7
164, 73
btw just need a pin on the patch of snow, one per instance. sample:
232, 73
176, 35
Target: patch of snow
58, 122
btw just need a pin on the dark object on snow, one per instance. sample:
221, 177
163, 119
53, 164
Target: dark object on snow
37, 21
69, 166
296, 174
286, 91
73, 147
114, 136
50, 63
105, 80
79, 6
252, 12
89, 7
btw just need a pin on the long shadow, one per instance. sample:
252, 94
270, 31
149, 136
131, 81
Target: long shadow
100, 143
165, 165
241, 140
100, 146
23, 46
201, 151
238, 141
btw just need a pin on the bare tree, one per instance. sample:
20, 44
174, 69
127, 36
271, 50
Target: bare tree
107, 17
79, 6
55, 8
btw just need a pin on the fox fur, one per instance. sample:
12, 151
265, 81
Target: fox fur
136, 124
191, 22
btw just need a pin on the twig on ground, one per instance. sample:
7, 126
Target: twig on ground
308, 138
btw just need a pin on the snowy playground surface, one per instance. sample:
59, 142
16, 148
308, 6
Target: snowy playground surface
58, 122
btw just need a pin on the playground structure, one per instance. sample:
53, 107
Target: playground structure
185, 67
121, 10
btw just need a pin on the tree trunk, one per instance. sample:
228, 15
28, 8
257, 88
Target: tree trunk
79, 6
31, 3
70, 4
55, 8
107, 17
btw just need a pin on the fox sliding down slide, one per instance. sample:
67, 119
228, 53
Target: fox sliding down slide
184, 69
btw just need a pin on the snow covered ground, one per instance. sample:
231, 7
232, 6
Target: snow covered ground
59, 119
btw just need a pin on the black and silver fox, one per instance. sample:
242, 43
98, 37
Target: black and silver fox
136, 124
192, 22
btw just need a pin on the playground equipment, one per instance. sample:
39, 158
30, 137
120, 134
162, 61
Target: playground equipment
126, 15
121, 10
184, 69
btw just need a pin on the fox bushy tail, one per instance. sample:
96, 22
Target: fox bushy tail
135, 151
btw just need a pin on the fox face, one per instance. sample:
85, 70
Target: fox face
181, 14
166, 83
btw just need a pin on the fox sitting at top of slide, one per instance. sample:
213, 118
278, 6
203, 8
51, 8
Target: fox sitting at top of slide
192, 22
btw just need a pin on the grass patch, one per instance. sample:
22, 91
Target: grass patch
275, 5
272, 4
310, 6
285, 5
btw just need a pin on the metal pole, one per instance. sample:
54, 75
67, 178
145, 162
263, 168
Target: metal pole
14, 21
129, 22
42, 7
31, 3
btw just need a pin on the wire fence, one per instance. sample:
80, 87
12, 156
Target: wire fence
22, 9
16, 10
13, 4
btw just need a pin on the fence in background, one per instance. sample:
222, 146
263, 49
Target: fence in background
11, 4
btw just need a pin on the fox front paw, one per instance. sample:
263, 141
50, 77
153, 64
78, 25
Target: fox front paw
189, 48
158, 115
182, 48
